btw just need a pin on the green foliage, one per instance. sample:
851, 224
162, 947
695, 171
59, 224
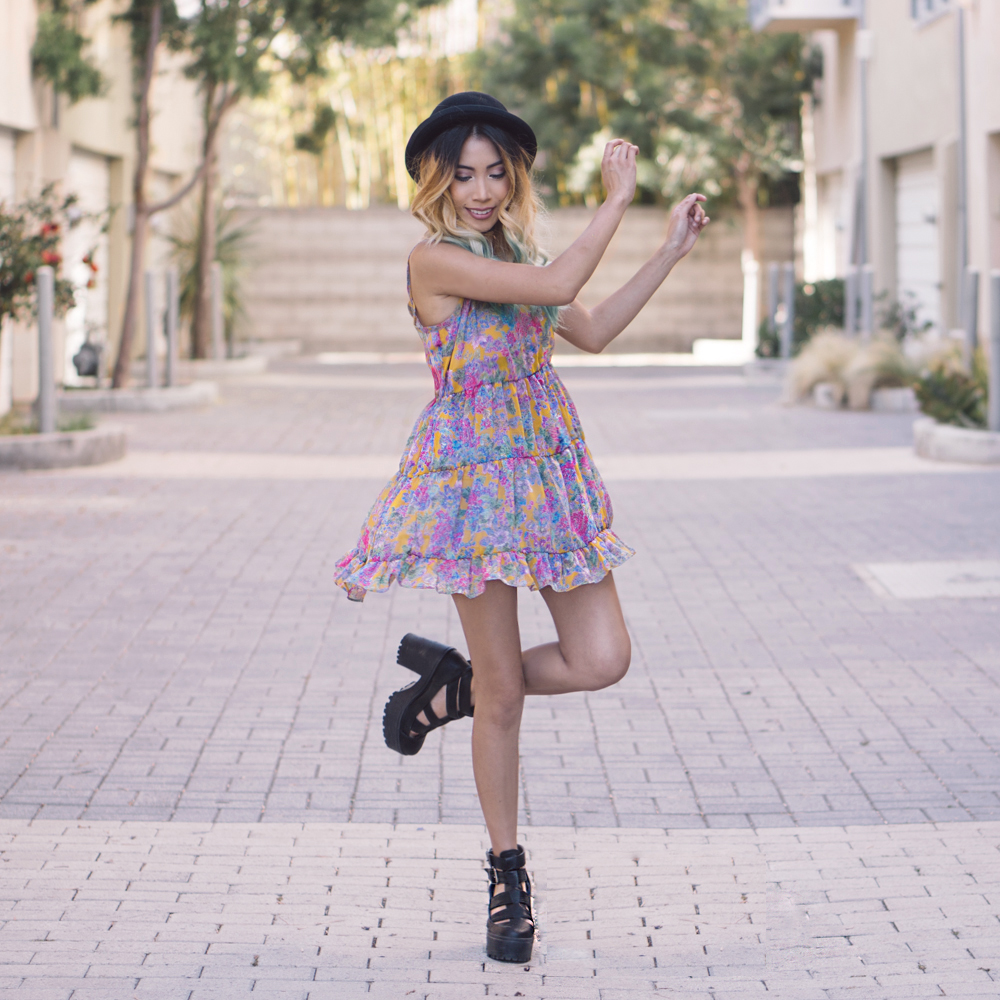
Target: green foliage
314, 139
953, 396
688, 81
30, 237
818, 305
901, 318
58, 55
232, 245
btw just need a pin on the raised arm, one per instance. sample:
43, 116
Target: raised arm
592, 330
445, 271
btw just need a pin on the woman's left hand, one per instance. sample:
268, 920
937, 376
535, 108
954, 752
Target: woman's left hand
686, 222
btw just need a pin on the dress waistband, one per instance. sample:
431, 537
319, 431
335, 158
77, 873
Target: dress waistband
446, 391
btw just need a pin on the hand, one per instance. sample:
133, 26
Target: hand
686, 222
618, 170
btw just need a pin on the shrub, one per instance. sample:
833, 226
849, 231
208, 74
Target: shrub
825, 358
878, 364
818, 305
952, 395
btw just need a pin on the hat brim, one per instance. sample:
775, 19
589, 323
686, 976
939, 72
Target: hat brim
468, 114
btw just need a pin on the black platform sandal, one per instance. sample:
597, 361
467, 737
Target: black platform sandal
510, 928
438, 665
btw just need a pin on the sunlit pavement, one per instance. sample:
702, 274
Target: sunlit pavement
794, 791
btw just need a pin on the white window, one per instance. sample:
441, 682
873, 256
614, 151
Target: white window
927, 10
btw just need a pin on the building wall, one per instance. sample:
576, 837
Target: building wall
333, 279
913, 107
80, 145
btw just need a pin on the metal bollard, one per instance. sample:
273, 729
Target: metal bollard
773, 282
867, 301
851, 303
45, 283
170, 324
788, 297
751, 280
150, 329
970, 309
218, 317
994, 390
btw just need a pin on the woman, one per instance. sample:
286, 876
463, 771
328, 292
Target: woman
496, 489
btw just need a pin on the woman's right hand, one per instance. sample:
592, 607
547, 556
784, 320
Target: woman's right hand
618, 171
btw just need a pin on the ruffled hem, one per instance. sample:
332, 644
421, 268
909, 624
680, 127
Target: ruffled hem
561, 571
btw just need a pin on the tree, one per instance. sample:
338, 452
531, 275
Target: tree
236, 55
711, 104
59, 54
151, 22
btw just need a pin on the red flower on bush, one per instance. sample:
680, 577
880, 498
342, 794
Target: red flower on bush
51, 257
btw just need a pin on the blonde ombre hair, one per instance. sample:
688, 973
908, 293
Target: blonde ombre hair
513, 237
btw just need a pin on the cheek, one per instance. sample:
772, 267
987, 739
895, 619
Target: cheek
501, 190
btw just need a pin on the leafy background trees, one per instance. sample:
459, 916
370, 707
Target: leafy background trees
712, 105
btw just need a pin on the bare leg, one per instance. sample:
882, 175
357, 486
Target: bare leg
491, 631
592, 651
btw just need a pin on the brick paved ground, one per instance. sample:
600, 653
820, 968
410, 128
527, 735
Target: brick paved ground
173, 653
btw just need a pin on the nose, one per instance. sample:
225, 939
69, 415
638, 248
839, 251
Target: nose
482, 194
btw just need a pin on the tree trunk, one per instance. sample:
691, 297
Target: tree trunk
140, 208
201, 322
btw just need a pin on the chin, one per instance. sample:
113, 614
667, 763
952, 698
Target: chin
481, 225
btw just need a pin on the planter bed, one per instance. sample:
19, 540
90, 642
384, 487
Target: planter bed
176, 397
945, 443
63, 449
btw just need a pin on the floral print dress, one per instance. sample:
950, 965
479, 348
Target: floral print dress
496, 482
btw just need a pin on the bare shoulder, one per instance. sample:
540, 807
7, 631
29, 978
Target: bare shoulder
426, 256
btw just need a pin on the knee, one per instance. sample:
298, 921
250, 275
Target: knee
609, 663
499, 705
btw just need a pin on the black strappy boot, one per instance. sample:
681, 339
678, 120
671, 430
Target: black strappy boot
510, 928
438, 665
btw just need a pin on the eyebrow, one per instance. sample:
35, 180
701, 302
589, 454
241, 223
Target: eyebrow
462, 166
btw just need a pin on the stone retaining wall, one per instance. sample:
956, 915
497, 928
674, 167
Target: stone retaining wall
335, 279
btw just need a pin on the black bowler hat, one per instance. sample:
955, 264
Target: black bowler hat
469, 108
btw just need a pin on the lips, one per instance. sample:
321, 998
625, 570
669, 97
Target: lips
480, 213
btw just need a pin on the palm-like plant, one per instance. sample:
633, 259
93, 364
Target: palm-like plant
232, 251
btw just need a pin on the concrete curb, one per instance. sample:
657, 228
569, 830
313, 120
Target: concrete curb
944, 443
210, 368
177, 397
63, 449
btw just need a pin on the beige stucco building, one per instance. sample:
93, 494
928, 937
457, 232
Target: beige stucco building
888, 173
87, 148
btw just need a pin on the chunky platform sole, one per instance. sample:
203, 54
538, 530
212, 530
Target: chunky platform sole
507, 949
431, 661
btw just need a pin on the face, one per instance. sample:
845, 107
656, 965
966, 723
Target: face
481, 184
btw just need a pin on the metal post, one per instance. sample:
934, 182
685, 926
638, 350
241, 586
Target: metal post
170, 324
751, 281
851, 303
788, 297
867, 301
963, 166
150, 329
45, 279
218, 318
970, 309
994, 404
773, 283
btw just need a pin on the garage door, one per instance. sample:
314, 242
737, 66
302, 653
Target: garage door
918, 264
89, 178
7, 139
